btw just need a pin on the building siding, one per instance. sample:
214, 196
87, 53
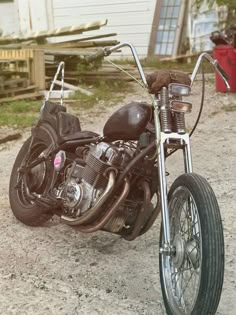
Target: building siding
130, 19
8, 20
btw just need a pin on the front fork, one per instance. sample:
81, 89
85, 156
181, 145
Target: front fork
184, 144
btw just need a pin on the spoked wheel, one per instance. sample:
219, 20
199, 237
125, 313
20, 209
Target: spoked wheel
192, 276
36, 180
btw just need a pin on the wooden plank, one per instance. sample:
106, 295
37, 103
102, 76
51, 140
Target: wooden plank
21, 97
85, 39
179, 57
10, 137
62, 31
18, 90
70, 52
17, 46
79, 44
74, 88
37, 75
15, 81
69, 43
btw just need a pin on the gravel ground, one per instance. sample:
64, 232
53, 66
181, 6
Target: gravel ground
56, 270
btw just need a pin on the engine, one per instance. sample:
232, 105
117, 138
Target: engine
85, 182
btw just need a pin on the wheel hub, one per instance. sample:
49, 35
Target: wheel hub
179, 253
192, 251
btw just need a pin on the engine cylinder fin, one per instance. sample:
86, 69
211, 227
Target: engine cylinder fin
94, 169
96, 164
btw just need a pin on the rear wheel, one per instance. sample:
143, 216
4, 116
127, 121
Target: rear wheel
36, 179
192, 276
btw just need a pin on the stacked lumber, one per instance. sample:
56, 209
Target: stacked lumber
106, 72
62, 31
27, 64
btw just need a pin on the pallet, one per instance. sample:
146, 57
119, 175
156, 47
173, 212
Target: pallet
28, 63
18, 91
37, 95
11, 84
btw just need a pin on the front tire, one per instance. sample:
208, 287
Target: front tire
192, 276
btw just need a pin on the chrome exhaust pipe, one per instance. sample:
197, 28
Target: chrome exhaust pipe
91, 213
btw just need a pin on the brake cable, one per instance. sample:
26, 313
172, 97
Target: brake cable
202, 102
200, 110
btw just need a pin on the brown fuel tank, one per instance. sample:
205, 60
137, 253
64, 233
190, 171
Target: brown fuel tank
128, 122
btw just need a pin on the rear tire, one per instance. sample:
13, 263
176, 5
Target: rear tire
24, 209
192, 277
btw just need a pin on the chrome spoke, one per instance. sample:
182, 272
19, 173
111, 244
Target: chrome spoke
183, 268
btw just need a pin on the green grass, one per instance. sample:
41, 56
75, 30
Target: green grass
19, 113
109, 92
23, 113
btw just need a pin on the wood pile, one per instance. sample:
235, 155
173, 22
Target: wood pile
28, 64
106, 72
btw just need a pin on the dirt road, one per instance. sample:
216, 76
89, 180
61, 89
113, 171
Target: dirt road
55, 270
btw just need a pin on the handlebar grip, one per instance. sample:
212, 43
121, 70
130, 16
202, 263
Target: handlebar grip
93, 57
223, 72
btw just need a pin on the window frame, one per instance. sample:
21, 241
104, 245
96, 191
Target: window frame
162, 14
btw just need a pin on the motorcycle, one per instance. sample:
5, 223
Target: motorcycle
116, 182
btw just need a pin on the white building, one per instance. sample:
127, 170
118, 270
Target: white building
154, 27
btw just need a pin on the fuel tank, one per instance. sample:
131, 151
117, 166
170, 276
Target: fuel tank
128, 122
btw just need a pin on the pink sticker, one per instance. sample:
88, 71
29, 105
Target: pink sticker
57, 161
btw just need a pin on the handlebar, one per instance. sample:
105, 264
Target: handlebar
223, 74
107, 51
95, 56
222, 71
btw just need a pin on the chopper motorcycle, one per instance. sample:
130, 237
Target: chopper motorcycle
116, 182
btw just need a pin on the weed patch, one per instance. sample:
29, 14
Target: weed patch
24, 113
229, 108
110, 92
19, 114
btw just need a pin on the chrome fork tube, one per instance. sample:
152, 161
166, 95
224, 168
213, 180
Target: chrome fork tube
187, 155
162, 105
163, 195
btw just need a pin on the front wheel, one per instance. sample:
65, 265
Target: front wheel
192, 276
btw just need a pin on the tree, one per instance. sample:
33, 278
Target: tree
230, 4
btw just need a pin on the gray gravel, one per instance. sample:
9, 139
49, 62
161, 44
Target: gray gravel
56, 270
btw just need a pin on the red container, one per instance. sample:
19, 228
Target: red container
226, 56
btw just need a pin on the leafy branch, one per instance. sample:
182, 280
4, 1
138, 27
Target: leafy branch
230, 4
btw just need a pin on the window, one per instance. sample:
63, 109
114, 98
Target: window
167, 26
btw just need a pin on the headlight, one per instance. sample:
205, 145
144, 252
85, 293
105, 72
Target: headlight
179, 89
